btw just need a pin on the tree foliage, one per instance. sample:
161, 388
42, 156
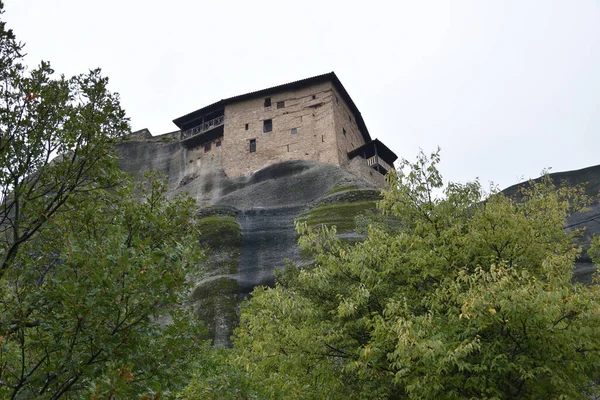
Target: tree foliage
466, 299
86, 302
42, 117
92, 268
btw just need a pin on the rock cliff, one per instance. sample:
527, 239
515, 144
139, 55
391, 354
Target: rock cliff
247, 223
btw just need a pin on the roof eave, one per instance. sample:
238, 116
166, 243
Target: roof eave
181, 120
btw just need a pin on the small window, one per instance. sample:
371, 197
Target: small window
268, 102
288, 148
267, 125
349, 118
280, 104
322, 138
207, 147
337, 101
246, 126
294, 131
252, 145
344, 131
314, 96
218, 143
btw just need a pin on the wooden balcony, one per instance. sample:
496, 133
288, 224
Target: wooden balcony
377, 163
378, 156
203, 127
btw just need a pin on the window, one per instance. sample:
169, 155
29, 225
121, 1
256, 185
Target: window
322, 138
246, 126
344, 131
252, 145
337, 101
349, 118
280, 104
314, 96
267, 125
218, 143
268, 102
207, 147
294, 131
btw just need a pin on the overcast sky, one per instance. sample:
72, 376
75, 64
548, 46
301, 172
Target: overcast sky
505, 88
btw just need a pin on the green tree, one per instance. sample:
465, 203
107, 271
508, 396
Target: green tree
91, 303
92, 268
41, 117
466, 299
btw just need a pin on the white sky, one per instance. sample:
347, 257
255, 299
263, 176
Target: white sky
505, 88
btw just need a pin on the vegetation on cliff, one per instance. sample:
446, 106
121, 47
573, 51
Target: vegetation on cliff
463, 299
216, 298
341, 215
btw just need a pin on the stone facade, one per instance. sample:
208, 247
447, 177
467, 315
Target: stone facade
303, 128
347, 133
310, 121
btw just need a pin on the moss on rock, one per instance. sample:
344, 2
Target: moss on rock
218, 232
339, 189
216, 303
342, 215
216, 297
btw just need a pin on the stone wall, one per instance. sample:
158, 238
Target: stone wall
311, 123
309, 111
345, 121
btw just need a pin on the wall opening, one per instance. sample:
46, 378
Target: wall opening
267, 125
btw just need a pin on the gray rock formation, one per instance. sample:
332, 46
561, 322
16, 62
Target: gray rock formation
264, 205
248, 222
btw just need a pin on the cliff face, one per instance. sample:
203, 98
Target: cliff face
247, 223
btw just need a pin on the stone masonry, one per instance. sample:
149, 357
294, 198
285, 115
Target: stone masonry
313, 119
300, 127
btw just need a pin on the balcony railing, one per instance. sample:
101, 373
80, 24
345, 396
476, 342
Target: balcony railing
208, 125
376, 160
